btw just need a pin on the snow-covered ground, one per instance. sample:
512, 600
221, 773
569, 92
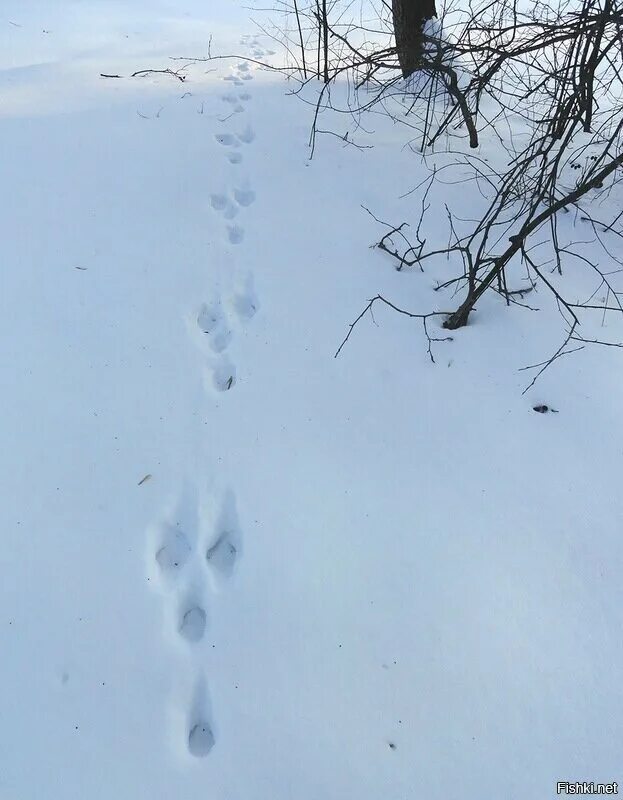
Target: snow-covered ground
233, 566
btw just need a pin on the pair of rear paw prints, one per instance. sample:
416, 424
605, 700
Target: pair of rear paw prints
240, 73
236, 101
234, 141
252, 43
182, 558
192, 556
215, 324
229, 206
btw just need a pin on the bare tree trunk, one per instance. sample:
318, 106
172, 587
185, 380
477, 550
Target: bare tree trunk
318, 17
409, 18
325, 40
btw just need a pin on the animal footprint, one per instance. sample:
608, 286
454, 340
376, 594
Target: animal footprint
223, 553
224, 377
235, 234
244, 197
247, 136
193, 623
173, 553
245, 301
211, 321
244, 96
220, 202
226, 139
234, 157
201, 738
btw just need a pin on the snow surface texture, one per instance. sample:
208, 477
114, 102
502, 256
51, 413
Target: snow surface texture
233, 566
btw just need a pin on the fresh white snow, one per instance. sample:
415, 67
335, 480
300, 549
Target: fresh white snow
233, 566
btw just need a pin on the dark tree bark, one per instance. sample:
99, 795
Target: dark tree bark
409, 18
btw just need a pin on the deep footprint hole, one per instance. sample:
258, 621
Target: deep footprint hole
173, 553
222, 555
200, 740
224, 379
193, 624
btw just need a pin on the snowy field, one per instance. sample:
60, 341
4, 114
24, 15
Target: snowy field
232, 566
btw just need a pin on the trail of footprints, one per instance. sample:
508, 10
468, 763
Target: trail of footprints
213, 320
194, 550
194, 553
214, 326
242, 196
